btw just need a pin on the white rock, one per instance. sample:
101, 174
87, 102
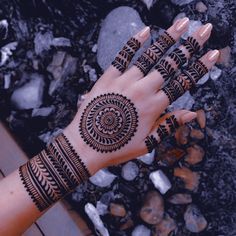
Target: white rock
215, 73
48, 136
29, 95
92, 72
102, 178
42, 42
160, 181
7, 81
95, 48
186, 101
141, 230
101, 208
6, 52
204, 79
3, 29
181, 2
61, 42
147, 158
92, 213
44, 111
193, 26
149, 3
129, 171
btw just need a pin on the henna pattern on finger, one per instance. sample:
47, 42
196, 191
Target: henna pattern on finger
125, 56
172, 123
108, 122
53, 173
165, 68
178, 57
151, 142
192, 45
152, 55
185, 81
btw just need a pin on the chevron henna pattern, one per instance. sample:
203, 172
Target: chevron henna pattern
53, 173
178, 57
185, 81
152, 55
126, 54
192, 45
165, 69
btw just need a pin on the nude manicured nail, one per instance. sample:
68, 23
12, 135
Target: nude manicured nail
181, 24
205, 30
145, 32
213, 55
188, 117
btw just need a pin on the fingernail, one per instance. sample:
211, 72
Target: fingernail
181, 24
213, 55
145, 32
189, 117
205, 30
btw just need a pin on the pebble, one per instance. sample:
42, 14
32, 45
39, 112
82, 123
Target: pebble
194, 220
201, 7
3, 29
201, 118
195, 154
215, 73
181, 2
148, 158
204, 79
129, 171
193, 26
7, 81
160, 181
43, 111
225, 56
165, 227
117, 210
103, 178
180, 198
101, 208
152, 210
93, 215
141, 230
29, 95
190, 178
171, 156
182, 134
197, 134
119, 25
7, 51
128, 224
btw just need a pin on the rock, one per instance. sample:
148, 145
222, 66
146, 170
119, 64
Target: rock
61, 42
182, 135
91, 71
117, 210
193, 26
225, 56
141, 230
197, 134
101, 208
49, 136
44, 111
165, 227
180, 198
204, 79
102, 178
160, 181
29, 95
119, 25
3, 29
152, 210
186, 101
95, 48
128, 224
149, 3
129, 171
6, 52
181, 2
194, 220
148, 158
171, 156
201, 7
190, 178
93, 215
195, 154
7, 81
215, 73
201, 118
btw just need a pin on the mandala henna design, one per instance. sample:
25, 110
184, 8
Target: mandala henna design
165, 69
126, 54
53, 173
108, 122
151, 56
192, 45
185, 81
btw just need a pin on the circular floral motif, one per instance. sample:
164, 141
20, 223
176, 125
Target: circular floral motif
108, 122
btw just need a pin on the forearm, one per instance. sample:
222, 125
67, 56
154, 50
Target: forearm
29, 191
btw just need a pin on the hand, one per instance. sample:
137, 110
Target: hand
119, 119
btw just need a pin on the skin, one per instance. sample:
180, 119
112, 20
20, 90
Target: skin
18, 211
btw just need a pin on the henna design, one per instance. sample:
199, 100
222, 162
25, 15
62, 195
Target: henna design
185, 81
192, 45
178, 57
172, 123
151, 142
151, 56
53, 173
165, 69
126, 54
108, 122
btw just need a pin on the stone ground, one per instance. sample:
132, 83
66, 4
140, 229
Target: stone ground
51, 65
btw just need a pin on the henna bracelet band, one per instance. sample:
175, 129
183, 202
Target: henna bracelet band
53, 173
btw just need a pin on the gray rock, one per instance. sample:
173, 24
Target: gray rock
6, 52
91, 71
204, 79
101, 208
215, 73
44, 111
148, 158
129, 171
3, 29
29, 95
181, 2
160, 181
141, 230
102, 178
61, 42
193, 26
7, 81
180, 198
117, 28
